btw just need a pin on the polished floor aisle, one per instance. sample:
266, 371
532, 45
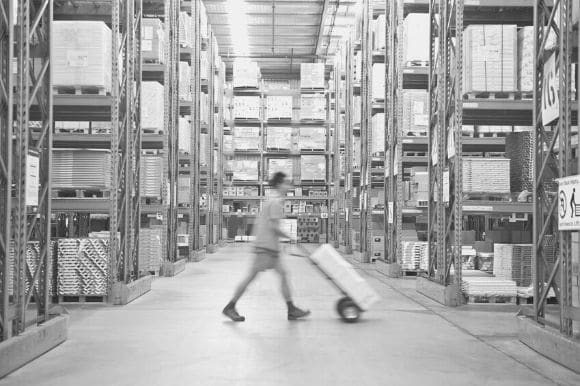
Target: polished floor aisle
176, 335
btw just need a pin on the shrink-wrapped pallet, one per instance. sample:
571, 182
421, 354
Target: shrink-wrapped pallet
285, 165
183, 189
488, 286
344, 274
279, 138
184, 135
313, 107
416, 39
152, 106
378, 133
184, 81
312, 75
312, 138
379, 33
486, 175
415, 112
204, 107
81, 54
279, 107
378, 88
185, 30
245, 170
152, 41
490, 58
356, 110
246, 73
247, 138
247, 107
81, 169
204, 149
150, 250
313, 168
151, 176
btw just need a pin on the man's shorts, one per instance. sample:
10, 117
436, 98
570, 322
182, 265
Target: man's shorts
265, 259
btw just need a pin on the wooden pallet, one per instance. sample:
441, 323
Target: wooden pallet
71, 131
493, 135
417, 63
81, 193
487, 196
411, 272
80, 90
82, 299
152, 131
491, 299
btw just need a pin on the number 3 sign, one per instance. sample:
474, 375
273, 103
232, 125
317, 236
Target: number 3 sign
550, 98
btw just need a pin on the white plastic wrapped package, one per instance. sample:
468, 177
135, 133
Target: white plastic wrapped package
416, 38
184, 135
185, 81
152, 41
152, 106
312, 75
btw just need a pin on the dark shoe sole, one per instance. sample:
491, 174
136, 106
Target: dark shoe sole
233, 318
291, 317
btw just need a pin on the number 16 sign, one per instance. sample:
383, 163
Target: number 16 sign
550, 97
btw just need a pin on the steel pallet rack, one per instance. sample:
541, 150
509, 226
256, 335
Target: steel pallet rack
448, 112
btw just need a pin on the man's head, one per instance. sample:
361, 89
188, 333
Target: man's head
280, 182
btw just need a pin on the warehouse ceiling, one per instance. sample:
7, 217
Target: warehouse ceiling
282, 33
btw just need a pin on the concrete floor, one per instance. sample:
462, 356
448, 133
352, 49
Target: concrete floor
176, 335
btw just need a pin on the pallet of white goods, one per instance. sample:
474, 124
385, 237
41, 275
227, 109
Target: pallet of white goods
312, 75
285, 165
378, 133
279, 138
82, 267
185, 30
416, 39
151, 176
204, 60
245, 170
357, 76
81, 168
490, 58
184, 81
101, 127
228, 145
81, 55
379, 33
279, 107
246, 74
183, 190
356, 153
415, 111
203, 21
184, 135
486, 175
313, 168
247, 107
150, 250
488, 286
204, 149
356, 110
152, 106
513, 262
152, 41
204, 108
378, 83
247, 138
313, 107
413, 255
345, 276
312, 138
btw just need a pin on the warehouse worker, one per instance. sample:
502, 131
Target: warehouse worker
267, 250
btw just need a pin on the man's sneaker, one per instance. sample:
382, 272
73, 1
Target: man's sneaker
230, 312
296, 313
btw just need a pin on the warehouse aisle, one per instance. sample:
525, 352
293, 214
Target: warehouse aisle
176, 335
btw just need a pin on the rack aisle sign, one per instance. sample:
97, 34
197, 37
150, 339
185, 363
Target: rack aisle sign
550, 101
569, 203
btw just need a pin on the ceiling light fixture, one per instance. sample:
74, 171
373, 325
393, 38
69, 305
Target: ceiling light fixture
238, 23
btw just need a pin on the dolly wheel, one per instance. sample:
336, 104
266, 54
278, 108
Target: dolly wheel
348, 310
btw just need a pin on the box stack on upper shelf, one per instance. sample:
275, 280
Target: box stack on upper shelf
416, 40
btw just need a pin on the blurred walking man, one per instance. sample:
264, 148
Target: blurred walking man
267, 250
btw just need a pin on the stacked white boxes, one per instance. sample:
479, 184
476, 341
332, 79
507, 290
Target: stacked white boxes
356, 153
285, 165
245, 170
81, 54
246, 73
183, 189
204, 149
488, 286
247, 107
184, 81
378, 88
152, 41
279, 138
312, 75
279, 107
228, 145
152, 105
204, 109
416, 39
81, 168
513, 262
151, 176
344, 274
486, 175
184, 135
356, 110
379, 33
490, 58
204, 65
313, 138
378, 136
150, 250
313, 107
419, 188
415, 112
247, 138
313, 168
185, 32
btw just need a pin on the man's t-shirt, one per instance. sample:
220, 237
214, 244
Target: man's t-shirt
267, 225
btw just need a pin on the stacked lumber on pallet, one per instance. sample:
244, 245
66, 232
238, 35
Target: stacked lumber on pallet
415, 256
83, 267
151, 176
81, 168
486, 175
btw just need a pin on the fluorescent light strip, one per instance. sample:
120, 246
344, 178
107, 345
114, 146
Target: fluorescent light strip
238, 23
